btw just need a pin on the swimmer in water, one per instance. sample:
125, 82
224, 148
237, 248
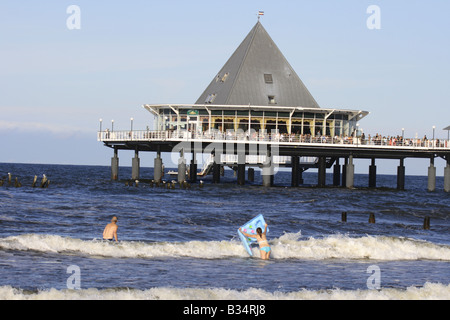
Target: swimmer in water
110, 232
260, 236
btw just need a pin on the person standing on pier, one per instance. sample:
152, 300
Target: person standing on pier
110, 232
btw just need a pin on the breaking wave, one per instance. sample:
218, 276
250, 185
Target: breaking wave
431, 291
288, 246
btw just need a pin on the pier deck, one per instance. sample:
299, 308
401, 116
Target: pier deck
286, 145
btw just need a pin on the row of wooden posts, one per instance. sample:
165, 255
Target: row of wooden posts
44, 183
426, 222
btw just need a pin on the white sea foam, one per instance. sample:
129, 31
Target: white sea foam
430, 291
288, 246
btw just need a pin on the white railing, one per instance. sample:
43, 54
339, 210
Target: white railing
231, 135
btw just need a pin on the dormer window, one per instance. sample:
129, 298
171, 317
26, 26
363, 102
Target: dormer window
210, 98
268, 78
272, 100
225, 76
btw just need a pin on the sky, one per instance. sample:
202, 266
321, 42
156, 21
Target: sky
56, 82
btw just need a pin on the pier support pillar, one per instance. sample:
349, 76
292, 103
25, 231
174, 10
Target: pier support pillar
401, 175
251, 174
193, 169
267, 172
337, 173
300, 176
216, 169
322, 172
373, 174
157, 168
431, 176
241, 169
135, 166
350, 173
115, 166
181, 168
295, 161
447, 176
344, 173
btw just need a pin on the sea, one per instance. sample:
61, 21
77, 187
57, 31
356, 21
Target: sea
182, 243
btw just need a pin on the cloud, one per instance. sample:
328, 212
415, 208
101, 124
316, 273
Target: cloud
62, 130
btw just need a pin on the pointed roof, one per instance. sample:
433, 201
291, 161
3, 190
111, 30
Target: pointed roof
258, 74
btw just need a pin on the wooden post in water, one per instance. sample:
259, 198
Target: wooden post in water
34, 182
426, 223
44, 181
344, 217
372, 218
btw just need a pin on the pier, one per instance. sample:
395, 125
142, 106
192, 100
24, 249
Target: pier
257, 113
241, 152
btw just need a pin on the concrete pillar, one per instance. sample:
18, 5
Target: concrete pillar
193, 169
241, 174
135, 166
181, 168
115, 166
267, 172
447, 176
251, 174
431, 176
350, 173
241, 169
373, 174
300, 176
295, 162
401, 175
344, 173
216, 169
321, 176
337, 173
157, 168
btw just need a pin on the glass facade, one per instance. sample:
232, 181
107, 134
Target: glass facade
318, 123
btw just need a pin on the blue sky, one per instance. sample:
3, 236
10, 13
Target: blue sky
56, 83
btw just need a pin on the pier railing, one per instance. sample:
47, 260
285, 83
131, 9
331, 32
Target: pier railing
241, 136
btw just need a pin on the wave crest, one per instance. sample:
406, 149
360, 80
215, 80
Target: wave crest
288, 246
431, 291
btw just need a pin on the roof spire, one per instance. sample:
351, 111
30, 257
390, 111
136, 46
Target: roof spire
257, 73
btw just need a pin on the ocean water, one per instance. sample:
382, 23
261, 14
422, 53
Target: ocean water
182, 243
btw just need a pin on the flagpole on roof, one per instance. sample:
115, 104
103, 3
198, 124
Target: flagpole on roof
260, 13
